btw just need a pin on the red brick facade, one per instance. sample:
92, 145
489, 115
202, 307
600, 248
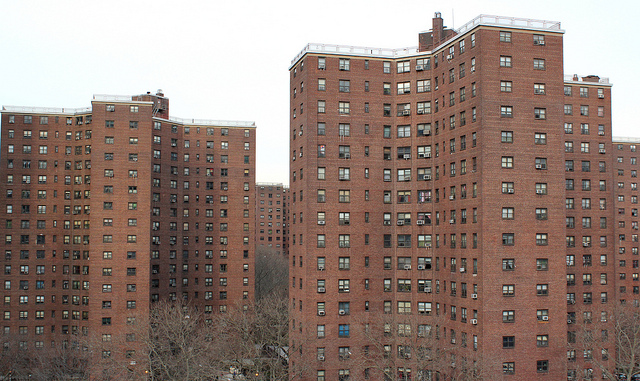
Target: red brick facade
108, 208
431, 188
271, 216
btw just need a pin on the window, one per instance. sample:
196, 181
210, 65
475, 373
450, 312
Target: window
506, 137
506, 86
540, 138
505, 61
508, 316
505, 36
344, 64
540, 113
507, 162
507, 213
538, 64
542, 366
509, 367
506, 111
542, 264
508, 240
508, 341
539, 88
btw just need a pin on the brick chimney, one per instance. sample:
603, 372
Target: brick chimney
438, 28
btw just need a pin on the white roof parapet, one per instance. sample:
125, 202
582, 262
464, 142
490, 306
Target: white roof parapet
113, 98
572, 78
270, 184
489, 20
209, 122
46, 110
355, 50
513, 22
624, 139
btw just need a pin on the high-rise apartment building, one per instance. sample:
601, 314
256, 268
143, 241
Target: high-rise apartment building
108, 208
271, 217
463, 191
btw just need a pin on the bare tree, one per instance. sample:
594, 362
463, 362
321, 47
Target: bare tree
272, 272
397, 345
180, 344
256, 338
608, 342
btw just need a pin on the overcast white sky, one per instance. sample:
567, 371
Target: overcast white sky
229, 59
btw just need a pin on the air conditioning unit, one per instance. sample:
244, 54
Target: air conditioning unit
420, 267
473, 69
300, 133
462, 269
321, 313
569, 321
400, 222
347, 156
538, 166
406, 112
545, 318
427, 290
421, 222
321, 267
419, 68
449, 57
428, 246
420, 111
452, 197
406, 156
601, 151
320, 357
407, 355
427, 177
407, 267
452, 221
586, 244
474, 296
341, 312
511, 190
601, 133
474, 321
321, 289
539, 191
407, 178
427, 155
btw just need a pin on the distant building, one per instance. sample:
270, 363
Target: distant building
109, 208
465, 189
271, 216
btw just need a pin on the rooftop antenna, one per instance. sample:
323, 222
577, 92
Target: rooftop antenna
453, 20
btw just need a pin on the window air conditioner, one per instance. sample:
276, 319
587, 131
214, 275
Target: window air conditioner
321, 222
452, 221
406, 112
341, 312
538, 166
545, 318
321, 267
407, 267
420, 222
320, 357
419, 68
474, 296
427, 177
510, 190
452, 197
406, 156
420, 267
321, 289
539, 191
321, 313
462, 269
400, 222
474, 321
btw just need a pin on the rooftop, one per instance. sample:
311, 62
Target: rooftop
485, 20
